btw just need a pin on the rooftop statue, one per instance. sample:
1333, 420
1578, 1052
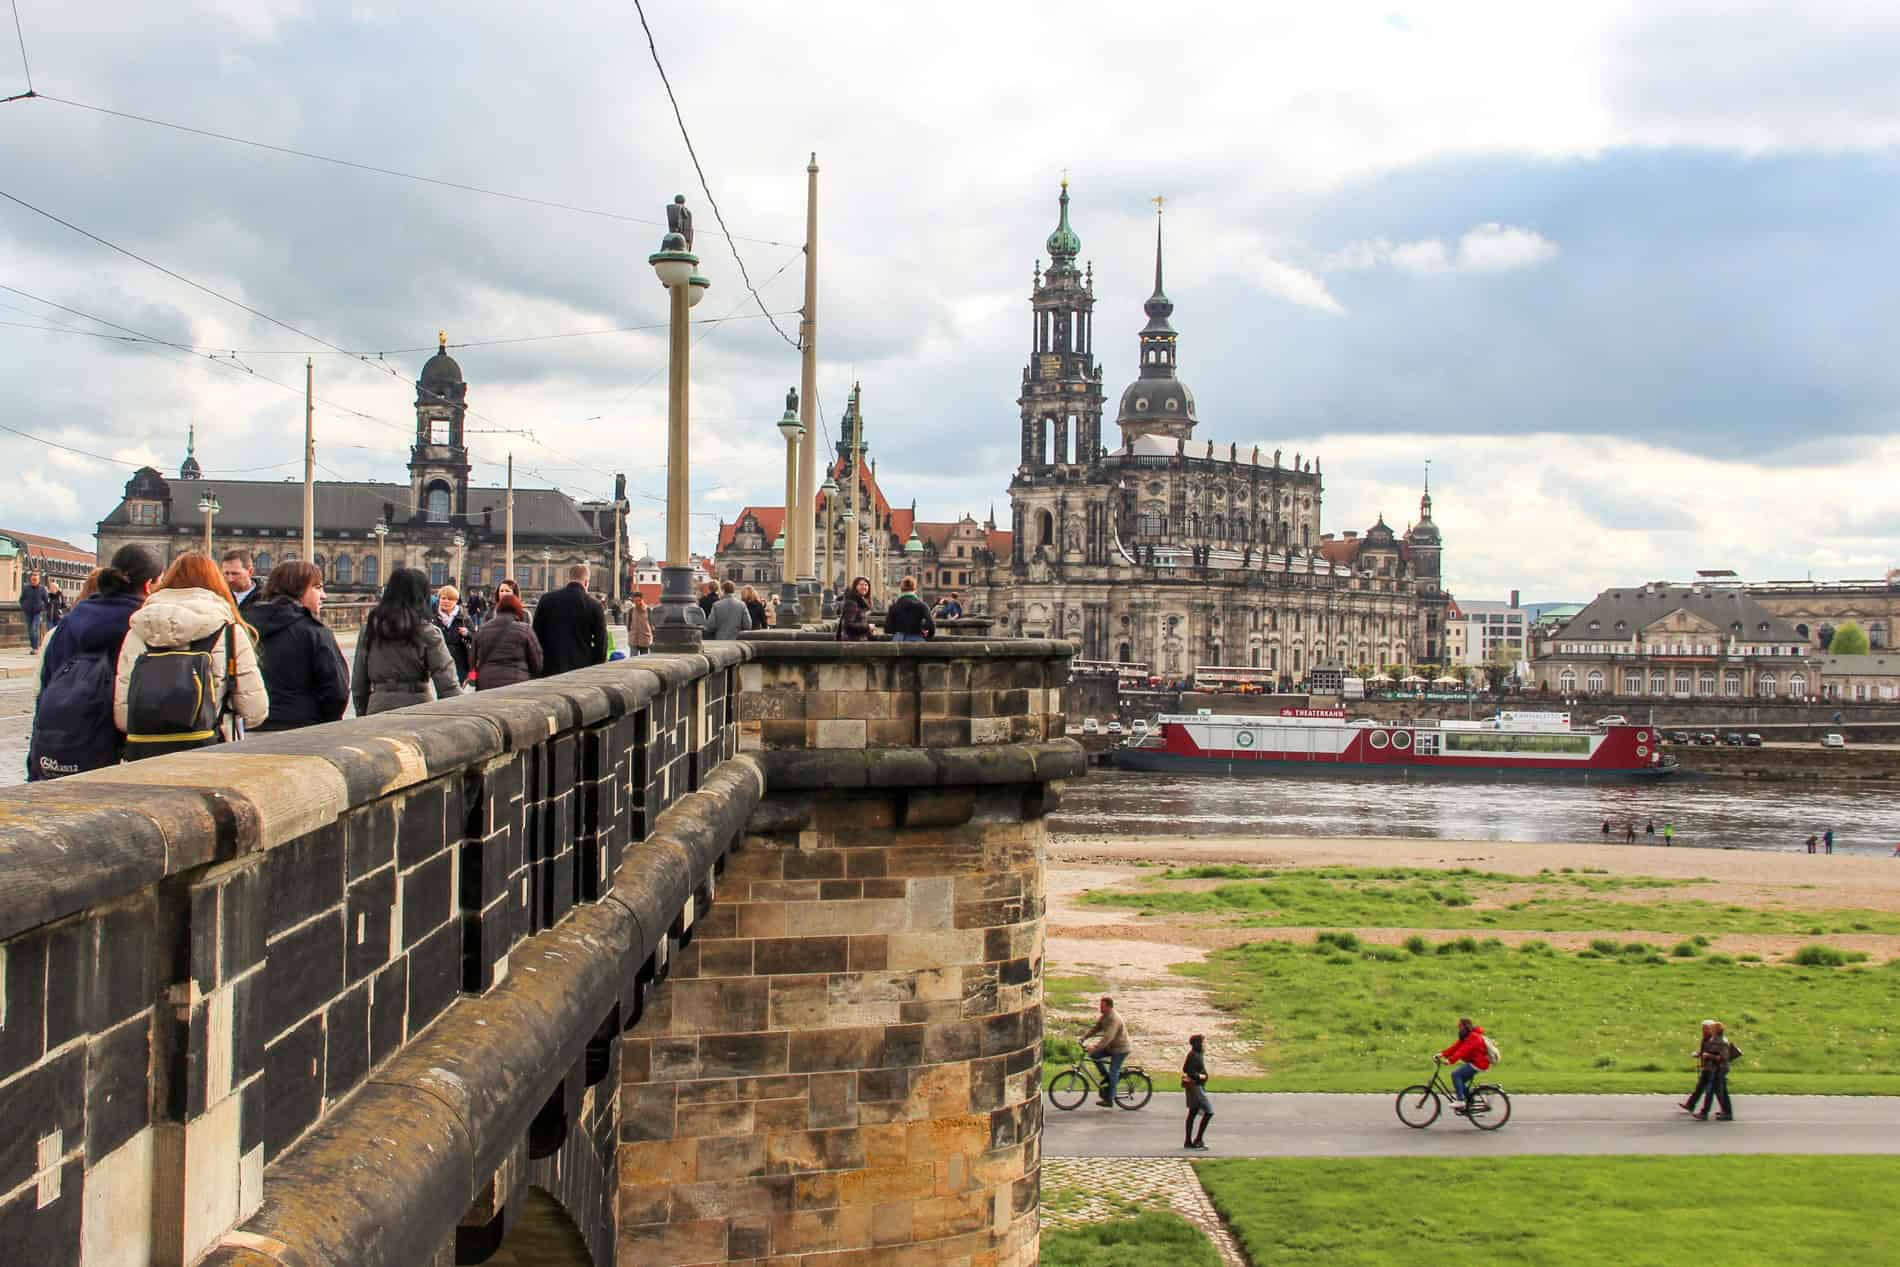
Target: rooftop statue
679, 220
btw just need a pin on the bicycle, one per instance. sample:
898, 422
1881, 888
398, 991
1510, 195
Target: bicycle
1068, 1089
1419, 1105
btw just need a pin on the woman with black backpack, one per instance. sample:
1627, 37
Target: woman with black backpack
400, 652
188, 672
303, 666
73, 729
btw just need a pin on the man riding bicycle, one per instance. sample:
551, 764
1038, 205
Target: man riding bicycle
1111, 1052
1468, 1056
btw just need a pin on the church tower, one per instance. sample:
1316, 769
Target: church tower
189, 468
438, 461
1157, 403
1062, 386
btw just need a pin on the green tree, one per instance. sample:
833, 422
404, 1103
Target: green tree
1849, 639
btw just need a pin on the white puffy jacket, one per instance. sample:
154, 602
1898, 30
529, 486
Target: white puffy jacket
174, 617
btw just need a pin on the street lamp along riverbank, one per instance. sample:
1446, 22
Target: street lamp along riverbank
678, 622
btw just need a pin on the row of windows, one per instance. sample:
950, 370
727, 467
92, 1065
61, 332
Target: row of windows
1687, 648
1683, 683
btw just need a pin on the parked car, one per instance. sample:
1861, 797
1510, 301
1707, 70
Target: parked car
1733, 739
1090, 726
1114, 728
1139, 726
1681, 736
1706, 739
1833, 741
1752, 740
1614, 719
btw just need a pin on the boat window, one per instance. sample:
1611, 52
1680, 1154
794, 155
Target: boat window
1492, 742
1426, 745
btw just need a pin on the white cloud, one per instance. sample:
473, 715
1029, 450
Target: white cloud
1423, 257
1290, 282
1497, 248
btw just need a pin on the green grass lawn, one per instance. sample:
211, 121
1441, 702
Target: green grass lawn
1153, 1239
1629, 1211
1397, 897
1337, 1016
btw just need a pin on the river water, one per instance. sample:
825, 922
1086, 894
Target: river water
1707, 813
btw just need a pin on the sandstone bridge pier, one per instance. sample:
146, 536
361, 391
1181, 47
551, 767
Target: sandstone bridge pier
718, 958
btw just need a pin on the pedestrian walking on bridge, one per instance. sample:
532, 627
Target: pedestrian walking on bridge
572, 626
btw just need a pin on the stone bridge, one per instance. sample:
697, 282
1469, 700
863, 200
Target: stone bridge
724, 957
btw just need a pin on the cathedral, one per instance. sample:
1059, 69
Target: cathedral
1177, 552
438, 522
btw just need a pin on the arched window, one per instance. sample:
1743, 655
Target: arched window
438, 503
1705, 684
1567, 682
1633, 683
1125, 653
261, 563
1731, 684
1045, 528
1765, 686
1594, 683
371, 573
1797, 686
343, 570
322, 565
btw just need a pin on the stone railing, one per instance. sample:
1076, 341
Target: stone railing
229, 973
349, 995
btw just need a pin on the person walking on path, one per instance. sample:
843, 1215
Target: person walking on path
73, 726
639, 625
191, 604
908, 620
477, 609
1629, 832
1112, 1052
854, 612
55, 605
1194, 1083
505, 651
245, 591
572, 626
754, 609
1827, 839
1606, 831
455, 631
1812, 842
1717, 1054
729, 617
400, 653
1650, 831
304, 671
33, 607
1669, 835
1700, 1056
708, 595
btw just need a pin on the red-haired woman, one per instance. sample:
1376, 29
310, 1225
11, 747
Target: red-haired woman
505, 652
191, 604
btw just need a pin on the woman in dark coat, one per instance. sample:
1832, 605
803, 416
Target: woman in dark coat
854, 612
753, 606
505, 650
303, 667
400, 653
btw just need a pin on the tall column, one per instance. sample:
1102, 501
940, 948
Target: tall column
809, 591
309, 462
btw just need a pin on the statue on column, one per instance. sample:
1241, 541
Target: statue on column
680, 220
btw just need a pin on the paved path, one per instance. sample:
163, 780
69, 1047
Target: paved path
1365, 1126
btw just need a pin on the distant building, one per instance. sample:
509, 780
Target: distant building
53, 559
438, 522
1663, 641
1817, 608
1493, 632
1861, 679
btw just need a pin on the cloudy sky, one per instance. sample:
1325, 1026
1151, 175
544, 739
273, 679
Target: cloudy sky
1624, 273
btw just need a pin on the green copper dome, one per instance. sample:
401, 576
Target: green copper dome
1063, 243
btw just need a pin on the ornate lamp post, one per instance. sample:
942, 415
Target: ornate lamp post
848, 517
455, 568
547, 571
830, 490
678, 622
208, 504
793, 429
382, 551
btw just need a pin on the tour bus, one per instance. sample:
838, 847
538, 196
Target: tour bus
1234, 680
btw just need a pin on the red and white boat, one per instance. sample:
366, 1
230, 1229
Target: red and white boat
1314, 741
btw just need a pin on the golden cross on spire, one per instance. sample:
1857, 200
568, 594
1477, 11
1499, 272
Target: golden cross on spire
1065, 178
1160, 201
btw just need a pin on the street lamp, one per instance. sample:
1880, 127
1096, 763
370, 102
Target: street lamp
382, 552
793, 430
830, 490
848, 517
547, 571
208, 504
455, 569
678, 622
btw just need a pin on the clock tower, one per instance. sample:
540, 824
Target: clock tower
438, 461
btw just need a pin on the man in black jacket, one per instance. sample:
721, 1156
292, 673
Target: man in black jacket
571, 626
909, 620
33, 607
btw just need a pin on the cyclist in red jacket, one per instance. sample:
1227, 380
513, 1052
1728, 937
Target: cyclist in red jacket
1468, 1056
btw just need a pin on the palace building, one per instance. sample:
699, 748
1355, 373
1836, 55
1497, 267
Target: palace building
438, 522
1177, 551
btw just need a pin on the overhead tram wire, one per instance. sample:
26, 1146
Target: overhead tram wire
290, 151
704, 187
24, 64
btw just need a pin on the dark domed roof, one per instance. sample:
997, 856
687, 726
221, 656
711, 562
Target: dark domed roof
1147, 399
1381, 534
441, 369
1063, 243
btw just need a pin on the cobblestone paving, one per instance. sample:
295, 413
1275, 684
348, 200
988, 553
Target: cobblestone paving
1098, 1189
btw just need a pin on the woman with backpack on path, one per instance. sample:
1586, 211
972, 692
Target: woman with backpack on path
186, 677
303, 666
400, 652
73, 726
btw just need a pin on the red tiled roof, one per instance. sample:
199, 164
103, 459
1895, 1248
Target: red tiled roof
1341, 551
771, 522
51, 547
1000, 543
937, 535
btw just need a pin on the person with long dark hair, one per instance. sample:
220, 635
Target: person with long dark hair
854, 612
73, 727
303, 666
400, 653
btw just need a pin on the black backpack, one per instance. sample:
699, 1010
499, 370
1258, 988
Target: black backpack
72, 721
170, 705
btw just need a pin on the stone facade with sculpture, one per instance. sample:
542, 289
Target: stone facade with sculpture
1175, 551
